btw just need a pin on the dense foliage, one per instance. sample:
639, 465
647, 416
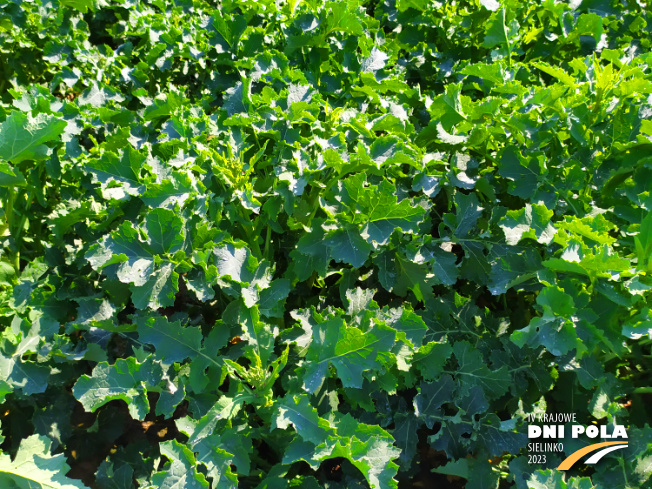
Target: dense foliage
322, 243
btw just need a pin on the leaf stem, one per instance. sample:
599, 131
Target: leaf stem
268, 242
642, 390
17, 230
253, 242
23, 217
10, 224
9, 207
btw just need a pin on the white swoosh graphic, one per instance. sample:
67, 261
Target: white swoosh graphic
601, 453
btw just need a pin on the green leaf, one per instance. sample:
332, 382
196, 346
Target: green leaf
173, 342
496, 436
164, 105
110, 477
639, 325
511, 267
126, 379
170, 192
590, 25
158, 291
595, 228
556, 72
82, 5
431, 358
472, 370
552, 330
525, 175
419, 5
358, 300
475, 266
432, 395
452, 437
212, 449
236, 99
95, 96
123, 246
153, 285
375, 61
34, 467
311, 253
447, 109
165, 231
22, 136
258, 334
297, 411
459, 468
5, 389
600, 262
235, 262
386, 215
468, 211
272, 298
531, 222
405, 433
369, 448
28, 376
399, 274
181, 471
499, 30
555, 301
644, 244
11, 177
558, 336
493, 72
119, 174
348, 349
348, 246
546, 479
408, 323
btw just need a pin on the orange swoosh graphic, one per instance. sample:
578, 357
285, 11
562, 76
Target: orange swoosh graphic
575, 456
